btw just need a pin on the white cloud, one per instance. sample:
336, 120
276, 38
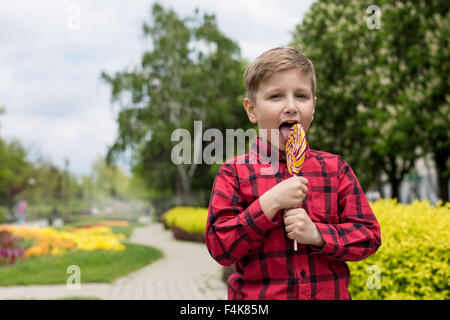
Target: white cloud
81, 138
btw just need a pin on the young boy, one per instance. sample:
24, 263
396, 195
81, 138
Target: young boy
254, 216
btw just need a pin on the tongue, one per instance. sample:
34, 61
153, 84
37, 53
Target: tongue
284, 131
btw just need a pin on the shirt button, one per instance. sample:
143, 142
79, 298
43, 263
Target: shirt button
303, 273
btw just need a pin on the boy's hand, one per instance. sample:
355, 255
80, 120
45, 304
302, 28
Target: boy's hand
300, 227
289, 193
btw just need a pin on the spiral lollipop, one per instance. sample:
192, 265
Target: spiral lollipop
295, 149
295, 152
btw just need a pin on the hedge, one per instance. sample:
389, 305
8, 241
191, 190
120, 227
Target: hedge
189, 219
412, 262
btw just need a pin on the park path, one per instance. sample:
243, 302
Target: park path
186, 271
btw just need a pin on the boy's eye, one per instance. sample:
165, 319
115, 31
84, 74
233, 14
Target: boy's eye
299, 95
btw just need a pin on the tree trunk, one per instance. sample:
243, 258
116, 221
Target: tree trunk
395, 183
392, 177
184, 184
441, 159
396, 173
178, 200
379, 184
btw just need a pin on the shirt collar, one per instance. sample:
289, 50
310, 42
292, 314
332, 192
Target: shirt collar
265, 149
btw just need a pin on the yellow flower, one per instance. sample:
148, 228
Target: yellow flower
54, 242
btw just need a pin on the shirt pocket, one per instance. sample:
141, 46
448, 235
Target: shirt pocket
324, 205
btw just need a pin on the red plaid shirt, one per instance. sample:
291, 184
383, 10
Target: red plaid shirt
267, 267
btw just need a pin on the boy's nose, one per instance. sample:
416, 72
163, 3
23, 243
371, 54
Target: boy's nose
290, 106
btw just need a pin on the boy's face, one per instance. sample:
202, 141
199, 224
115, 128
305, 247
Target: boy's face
284, 96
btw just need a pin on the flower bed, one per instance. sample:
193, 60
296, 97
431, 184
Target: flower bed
10, 248
107, 223
49, 241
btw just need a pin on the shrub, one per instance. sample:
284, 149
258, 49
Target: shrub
413, 258
189, 219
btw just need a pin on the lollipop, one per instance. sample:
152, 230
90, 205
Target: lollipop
295, 152
295, 149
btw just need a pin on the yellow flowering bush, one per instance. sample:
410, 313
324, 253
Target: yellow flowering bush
49, 241
189, 219
413, 260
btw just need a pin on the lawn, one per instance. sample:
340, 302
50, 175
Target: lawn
95, 266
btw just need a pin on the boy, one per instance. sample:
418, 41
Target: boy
254, 217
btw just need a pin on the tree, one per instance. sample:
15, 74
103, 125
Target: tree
109, 181
47, 186
14, 172
193, 72
370, 84
431, 93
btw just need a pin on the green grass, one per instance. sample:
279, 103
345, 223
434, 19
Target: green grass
95, 266
125, 230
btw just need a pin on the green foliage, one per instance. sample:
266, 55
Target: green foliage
55, 188
413, 259
193, 72
14, 171
382, 93
3, 214
52, 188
110, 180
189, 219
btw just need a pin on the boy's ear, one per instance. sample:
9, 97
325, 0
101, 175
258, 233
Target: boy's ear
314, 108
250, 109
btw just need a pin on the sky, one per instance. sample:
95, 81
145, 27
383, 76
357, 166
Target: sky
52, 53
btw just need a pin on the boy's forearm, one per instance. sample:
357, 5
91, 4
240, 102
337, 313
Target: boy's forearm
269, 205
319, 242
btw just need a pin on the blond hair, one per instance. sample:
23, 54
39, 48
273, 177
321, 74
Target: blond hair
275, 60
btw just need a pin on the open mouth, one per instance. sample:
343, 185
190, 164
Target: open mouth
285, 127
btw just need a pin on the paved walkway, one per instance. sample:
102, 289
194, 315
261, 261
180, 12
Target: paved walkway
186, 271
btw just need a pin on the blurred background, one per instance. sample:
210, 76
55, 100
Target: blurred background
90, 93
